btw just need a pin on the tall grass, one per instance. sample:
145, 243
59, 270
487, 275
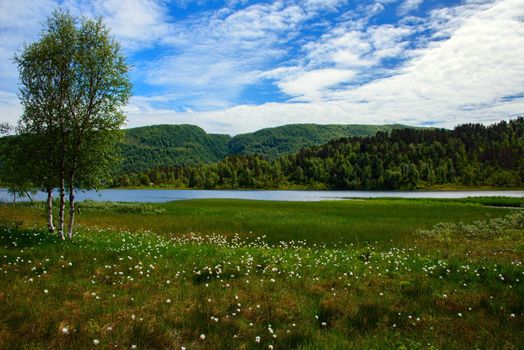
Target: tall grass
112, 288
335, 222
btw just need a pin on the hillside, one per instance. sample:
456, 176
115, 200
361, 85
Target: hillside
170, 145
469, 155
275, 142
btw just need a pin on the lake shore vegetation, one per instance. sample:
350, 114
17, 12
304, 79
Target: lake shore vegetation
125, 282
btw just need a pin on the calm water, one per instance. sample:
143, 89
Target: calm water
299, 196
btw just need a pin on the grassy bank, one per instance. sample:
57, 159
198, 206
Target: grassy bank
446, 287
326, 222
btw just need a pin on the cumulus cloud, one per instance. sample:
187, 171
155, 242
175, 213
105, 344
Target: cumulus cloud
449, 65
135, 23
217, 56
467, 69
408, 6
312, 85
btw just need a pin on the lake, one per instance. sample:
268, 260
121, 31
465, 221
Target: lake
117, 195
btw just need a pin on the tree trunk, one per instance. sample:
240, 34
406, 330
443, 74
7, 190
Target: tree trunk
28, 196
49, 208
71, 210
61, 209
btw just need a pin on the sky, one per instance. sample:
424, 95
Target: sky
236, 66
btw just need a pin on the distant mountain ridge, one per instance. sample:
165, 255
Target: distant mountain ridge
171, 145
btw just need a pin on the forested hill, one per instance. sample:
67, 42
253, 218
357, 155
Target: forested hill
168, 145
470, 155
275, 142
172, 145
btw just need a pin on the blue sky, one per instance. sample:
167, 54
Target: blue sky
234, 66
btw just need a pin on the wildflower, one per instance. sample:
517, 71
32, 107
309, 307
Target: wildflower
46, 291
257, 339
202, 336
96, 341
168, 301
65, 330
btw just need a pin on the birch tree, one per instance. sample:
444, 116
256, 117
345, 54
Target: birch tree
73, 85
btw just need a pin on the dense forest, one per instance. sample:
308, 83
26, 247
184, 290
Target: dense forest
471, 155
155, 146
149, 147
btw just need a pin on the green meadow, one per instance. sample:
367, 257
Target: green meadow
235, 274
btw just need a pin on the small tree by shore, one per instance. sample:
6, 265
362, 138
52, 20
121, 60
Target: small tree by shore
73, 85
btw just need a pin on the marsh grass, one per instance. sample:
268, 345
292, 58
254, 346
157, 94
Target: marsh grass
327, 222
125, 286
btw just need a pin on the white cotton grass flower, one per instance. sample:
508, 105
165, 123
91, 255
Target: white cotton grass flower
96, 341
65, 330
202, 336
257, 339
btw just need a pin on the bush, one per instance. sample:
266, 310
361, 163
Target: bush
505, 227
119, 207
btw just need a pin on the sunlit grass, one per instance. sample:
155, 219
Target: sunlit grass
125, 288
327, 222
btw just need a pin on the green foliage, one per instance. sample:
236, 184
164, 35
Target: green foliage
469, 155
74, 84
117, 207
272, 143
149, 147
322, 223
508, 227
156, 146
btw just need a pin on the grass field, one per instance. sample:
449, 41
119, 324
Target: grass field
231, 274
326, 222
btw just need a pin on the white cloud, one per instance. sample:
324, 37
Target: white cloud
465, 76
216, 56
135, 23
408, 6
346, 49
457, 64
10, 109
313, 85
324, 4
20, 23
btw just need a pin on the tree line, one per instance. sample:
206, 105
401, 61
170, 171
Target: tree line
470, 155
